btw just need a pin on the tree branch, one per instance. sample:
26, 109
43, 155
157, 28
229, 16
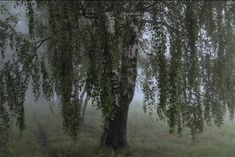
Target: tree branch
83, 9
163, 23
149, 54
41, 42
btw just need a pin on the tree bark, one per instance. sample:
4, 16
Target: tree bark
115, 131
115, 128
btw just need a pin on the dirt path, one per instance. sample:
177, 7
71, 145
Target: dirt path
41, 134
43, 139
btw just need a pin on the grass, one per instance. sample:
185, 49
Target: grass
146, 137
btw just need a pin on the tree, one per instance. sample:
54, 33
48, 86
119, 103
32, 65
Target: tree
188, 68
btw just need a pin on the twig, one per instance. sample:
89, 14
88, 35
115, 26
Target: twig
83, 9
163, 23
41, 42
151, 5
149, 54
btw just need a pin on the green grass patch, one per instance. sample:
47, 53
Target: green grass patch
147, 137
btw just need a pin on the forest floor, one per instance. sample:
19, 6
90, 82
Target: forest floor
147, 137
42, 137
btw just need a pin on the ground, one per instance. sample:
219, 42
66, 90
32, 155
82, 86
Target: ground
44, 137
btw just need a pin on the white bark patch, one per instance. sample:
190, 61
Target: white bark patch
111, 22
135, 33
115, 87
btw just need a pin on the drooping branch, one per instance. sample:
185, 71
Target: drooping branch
149, 54
41, 42
84, 12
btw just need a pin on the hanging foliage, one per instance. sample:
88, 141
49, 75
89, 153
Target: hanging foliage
189, 73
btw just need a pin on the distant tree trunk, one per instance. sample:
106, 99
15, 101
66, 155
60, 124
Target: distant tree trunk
54, 101
84, 106
81, 106
84, 98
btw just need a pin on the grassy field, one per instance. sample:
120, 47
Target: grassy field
44, 137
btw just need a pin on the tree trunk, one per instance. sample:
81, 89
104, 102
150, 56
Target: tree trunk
123, 87
115, 131
115, 128
114, 134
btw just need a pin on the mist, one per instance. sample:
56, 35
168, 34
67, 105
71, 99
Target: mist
162, 86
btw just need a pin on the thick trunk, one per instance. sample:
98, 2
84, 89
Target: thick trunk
115, 130
123, 87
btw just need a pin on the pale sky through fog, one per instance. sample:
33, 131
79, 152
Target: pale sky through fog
22, 26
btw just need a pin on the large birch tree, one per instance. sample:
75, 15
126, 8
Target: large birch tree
187, 62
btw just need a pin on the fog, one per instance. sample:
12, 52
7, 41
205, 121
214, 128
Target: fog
22, 26
148, 135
